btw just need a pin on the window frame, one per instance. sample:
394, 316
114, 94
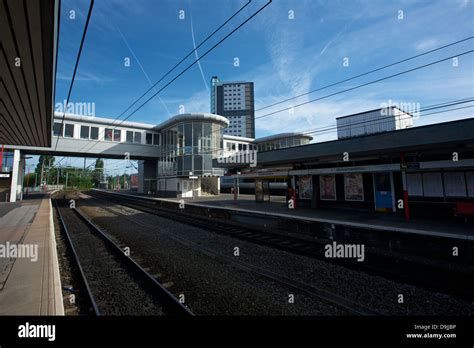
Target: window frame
66, 125
131, 133
61, 129
106, 138
137, 135
88, 132
151, 138
119, 132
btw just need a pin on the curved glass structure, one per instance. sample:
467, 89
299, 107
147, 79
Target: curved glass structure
188, 146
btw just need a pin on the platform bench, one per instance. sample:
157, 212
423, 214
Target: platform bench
464, 209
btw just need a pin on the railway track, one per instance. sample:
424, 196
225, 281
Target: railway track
115, 284
351, 307
417, 274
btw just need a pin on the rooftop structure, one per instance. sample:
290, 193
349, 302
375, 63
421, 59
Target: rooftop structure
373, 121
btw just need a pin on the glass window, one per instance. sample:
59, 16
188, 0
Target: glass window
95, 133
188, 164
69, 131
117, 135
156, 139
129, 137
165, 143
180, 140
197, 136
57, 128
137, 138
197, 170
149, 138
108, 134
84, 132
207, 163
188, 139
180, 165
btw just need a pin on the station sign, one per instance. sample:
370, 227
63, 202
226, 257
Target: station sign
410, 165
4, 175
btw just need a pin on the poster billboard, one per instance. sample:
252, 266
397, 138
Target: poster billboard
454, 184
306, 186
353, 187
414, 184
470, 183
327, 187
433, 185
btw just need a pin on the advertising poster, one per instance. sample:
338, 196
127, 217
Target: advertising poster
306, 187
433, 185
470, 183
415, 185
353, 187
454, 184
327, 187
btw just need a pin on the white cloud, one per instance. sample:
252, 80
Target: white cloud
86, 76
296, 66
463, 3
426, 44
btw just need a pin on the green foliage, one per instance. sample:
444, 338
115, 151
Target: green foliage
29, 180
97, 173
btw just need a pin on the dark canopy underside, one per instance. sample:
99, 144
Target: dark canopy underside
27, 70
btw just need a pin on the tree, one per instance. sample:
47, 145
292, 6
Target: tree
98, 172
29, 180
45, 167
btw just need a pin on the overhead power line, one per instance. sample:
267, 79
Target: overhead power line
422, 109
375, 121
423, 115
167, 73
202, 56
185, 57
366, 84
189, 66
331, 129
367, 73
75, 67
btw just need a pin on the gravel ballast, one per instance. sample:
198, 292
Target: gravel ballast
214, 285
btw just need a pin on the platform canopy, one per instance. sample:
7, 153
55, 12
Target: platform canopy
28, 38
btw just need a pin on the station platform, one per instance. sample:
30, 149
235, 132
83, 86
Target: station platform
277, 207
30, 283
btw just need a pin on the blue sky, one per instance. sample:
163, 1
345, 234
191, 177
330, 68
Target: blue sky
283, 57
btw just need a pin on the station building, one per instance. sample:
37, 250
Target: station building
413, 171
175, 157
185, 167
244, 152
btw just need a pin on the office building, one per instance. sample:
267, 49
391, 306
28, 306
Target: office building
235, 101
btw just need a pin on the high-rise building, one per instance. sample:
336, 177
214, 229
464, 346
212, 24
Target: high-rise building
234, 100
